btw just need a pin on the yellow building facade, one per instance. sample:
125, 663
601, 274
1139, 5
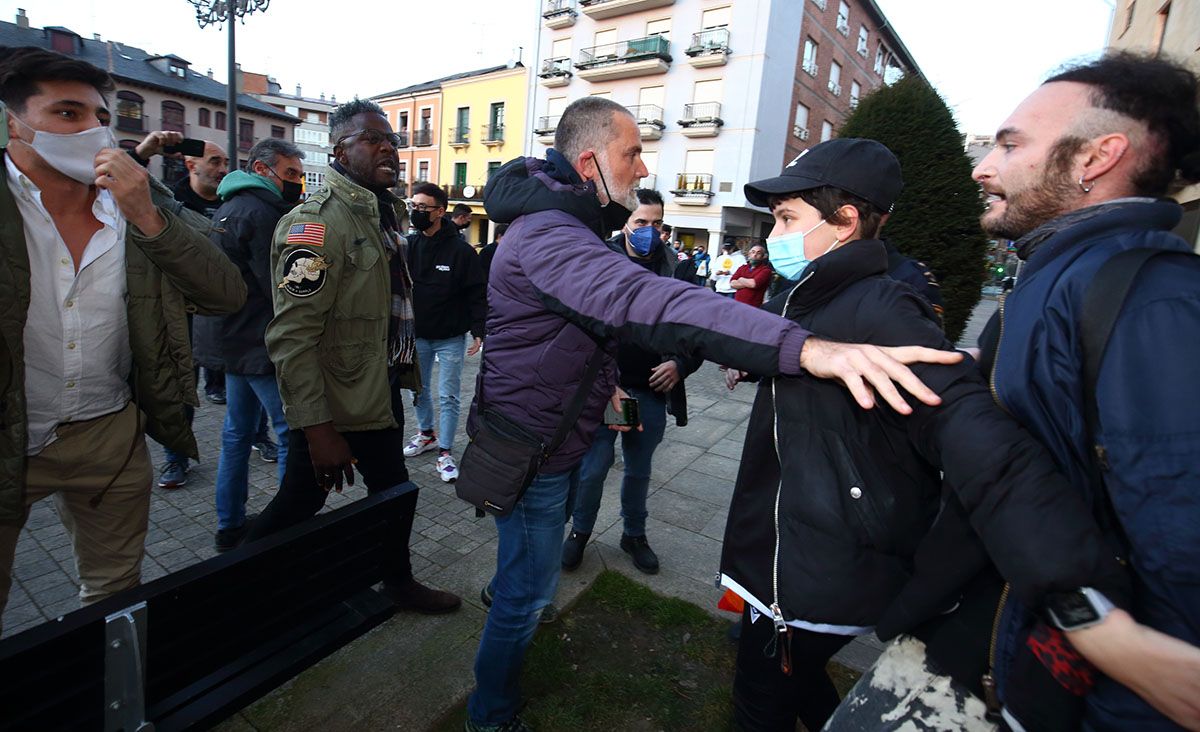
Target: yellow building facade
483, 119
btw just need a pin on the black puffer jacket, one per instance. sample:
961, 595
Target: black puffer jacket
245, 227
857, 493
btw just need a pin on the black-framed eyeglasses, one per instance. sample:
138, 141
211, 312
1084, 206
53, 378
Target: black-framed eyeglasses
422, 207
374, 137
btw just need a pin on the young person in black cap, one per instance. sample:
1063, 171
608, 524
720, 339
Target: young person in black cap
836, 509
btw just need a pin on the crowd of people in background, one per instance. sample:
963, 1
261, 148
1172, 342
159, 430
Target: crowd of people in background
1021, 525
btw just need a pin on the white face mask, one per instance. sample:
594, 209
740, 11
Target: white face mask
73, 155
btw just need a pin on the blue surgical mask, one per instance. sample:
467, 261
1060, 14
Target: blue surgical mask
787, 253
644, 239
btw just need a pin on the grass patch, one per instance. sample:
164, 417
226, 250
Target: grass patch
626, 658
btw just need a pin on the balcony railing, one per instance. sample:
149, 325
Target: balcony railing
834, 88
648, 114
843, 26
460, 135
624, 52
560, 66
403, 135
800, 133
693, 183
811, 68
493, 134
713, 40
546, 125
423, 138
556, 8
460, 193
131, 124
702, 113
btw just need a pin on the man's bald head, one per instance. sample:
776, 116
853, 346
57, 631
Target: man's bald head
206, 172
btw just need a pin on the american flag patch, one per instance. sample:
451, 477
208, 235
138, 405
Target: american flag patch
311, 234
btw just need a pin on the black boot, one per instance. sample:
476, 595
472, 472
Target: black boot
644, 557
573, 547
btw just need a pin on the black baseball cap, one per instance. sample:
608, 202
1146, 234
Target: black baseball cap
864, 168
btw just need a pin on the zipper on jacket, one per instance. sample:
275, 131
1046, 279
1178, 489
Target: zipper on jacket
991, 695
996, 360
781, 643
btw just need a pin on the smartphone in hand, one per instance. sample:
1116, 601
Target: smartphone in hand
628, 415
187, 146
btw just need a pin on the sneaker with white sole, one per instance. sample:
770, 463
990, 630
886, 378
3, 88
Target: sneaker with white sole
420, 443
446, 468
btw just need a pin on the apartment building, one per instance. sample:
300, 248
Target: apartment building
713, 85
158, 92
847, 50
311, 134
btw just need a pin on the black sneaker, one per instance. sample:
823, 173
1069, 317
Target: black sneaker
174, 475
572, 552
216, 397
549, 613
644, 557
267, 450
226, 539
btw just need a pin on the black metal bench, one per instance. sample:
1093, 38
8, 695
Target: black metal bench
191, 648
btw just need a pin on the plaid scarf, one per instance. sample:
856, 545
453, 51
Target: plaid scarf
402, 334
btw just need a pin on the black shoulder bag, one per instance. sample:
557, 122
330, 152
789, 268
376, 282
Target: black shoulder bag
503, 457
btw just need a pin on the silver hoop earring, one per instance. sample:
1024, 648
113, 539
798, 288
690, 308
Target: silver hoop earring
1085, 189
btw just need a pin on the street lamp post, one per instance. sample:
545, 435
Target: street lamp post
212, 12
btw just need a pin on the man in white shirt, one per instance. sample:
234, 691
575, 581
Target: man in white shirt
95, 279
723, 266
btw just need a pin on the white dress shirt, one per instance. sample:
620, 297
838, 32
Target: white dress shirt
77, 356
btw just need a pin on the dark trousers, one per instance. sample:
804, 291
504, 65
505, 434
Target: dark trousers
766, 700
380, 456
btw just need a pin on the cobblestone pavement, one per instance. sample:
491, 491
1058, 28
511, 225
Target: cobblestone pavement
692, 480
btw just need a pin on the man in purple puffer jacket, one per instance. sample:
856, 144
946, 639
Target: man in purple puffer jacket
557, 291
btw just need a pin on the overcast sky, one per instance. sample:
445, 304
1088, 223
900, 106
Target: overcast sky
983, 56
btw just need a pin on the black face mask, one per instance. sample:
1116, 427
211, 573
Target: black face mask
613, 215
291, 191
421, 220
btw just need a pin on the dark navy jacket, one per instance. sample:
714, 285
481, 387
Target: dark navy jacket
556, 289
1149, 404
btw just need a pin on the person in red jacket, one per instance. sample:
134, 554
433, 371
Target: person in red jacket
753, 277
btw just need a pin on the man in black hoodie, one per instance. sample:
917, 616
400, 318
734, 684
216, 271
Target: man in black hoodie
449, 299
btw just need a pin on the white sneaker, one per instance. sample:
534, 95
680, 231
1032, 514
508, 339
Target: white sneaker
446, 468
420, 443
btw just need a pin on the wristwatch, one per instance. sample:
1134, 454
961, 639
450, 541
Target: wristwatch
1077, 609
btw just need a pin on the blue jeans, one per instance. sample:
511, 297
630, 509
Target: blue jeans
528, 561
637, 449
244, 394
450, 353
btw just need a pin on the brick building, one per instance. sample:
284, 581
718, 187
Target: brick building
847, 50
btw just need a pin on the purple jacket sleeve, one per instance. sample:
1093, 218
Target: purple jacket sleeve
582, 280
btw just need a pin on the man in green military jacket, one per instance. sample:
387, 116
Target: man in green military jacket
98, 271
343, 343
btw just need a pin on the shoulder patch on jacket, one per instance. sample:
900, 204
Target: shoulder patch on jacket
306, 273
306, 233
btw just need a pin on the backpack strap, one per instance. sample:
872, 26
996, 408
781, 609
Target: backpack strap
1102, 304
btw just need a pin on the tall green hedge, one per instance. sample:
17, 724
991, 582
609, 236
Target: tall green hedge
936, 219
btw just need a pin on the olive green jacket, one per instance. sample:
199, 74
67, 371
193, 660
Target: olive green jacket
328, 339
168, 276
